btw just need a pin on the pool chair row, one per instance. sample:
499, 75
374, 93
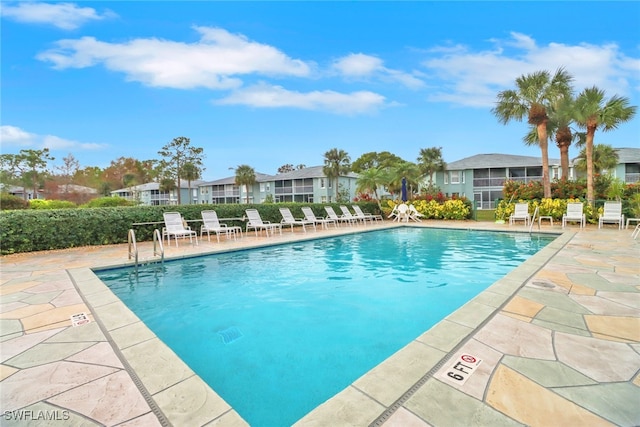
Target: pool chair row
176, 227
255, 222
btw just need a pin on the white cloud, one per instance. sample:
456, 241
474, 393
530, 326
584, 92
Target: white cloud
213, 62
361, 66
16, 137
267, 96
473, 78
66, 16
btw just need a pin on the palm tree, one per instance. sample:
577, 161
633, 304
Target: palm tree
604, 156
369, 181
245, 175
336, 163
407, 170
535, 94
430, 161
190, 172
593, 112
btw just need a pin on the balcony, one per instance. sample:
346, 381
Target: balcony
631, 177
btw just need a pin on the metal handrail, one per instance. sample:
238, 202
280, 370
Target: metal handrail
533, 219
131, 237
157, 242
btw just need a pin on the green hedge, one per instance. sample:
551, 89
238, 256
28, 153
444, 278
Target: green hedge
39, 230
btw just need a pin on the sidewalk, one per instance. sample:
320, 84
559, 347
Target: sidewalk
558, 339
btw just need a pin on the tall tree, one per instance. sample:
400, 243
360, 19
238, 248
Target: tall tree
190, 172
245, 176
336, 163
381, 160
31, 167
534, 94
175, 155
408, 170
592, 112
604, 158
70, 165
370, 180
430, 161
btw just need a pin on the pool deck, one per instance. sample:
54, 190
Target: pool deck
556, 342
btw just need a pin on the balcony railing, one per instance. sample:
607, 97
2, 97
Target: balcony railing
631, 177
499, 182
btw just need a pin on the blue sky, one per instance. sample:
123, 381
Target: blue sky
270, 83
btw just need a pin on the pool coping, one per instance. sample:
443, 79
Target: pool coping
165, 380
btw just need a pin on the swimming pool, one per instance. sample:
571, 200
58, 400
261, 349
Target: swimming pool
278, 330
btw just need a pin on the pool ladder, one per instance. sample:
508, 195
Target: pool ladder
158, 247
533, 219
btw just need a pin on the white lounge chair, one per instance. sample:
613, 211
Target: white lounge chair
414, 214
612, 214
310, 216
255, 221
521, 213
574, 214
288, 219
369, 216
338, 219
211, 224
174, 226
346, 213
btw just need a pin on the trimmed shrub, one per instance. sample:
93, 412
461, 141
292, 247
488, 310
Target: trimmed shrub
39, 230
108, 202
51, 204
9, 202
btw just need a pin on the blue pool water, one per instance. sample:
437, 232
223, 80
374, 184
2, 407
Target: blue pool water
276, 331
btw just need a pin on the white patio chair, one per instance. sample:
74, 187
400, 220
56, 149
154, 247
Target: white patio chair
174, 226
288, 219
211, 224
521, 213
346, 213
612, 214
414, 214
574, 214
254, 221
310, 216
338, 219
366, 215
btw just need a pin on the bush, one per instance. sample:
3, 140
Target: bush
9, 202
51, 204
431, 208
37, 230
108, 202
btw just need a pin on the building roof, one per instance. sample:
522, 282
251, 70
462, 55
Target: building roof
308, 172
156, 186
628, 155
260, 177
481, 161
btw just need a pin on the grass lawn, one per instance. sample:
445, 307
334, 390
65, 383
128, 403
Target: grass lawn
486, 215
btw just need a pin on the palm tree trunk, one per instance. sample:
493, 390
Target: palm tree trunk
589, 154
544, 148
564, 161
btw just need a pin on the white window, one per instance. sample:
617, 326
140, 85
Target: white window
446, 177
455, 177
321, 182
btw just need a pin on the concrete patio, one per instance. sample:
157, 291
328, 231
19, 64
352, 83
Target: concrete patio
556, 342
